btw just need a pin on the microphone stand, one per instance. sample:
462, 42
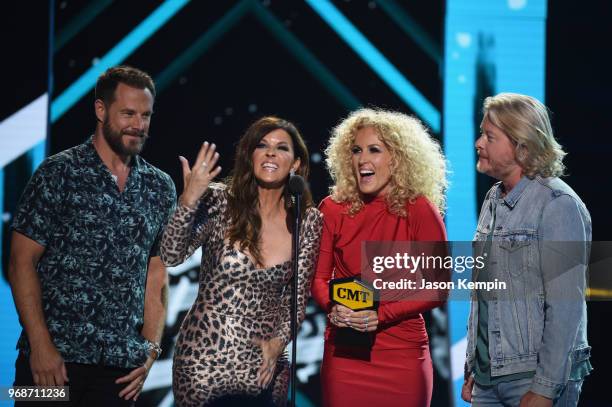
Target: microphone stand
294, 297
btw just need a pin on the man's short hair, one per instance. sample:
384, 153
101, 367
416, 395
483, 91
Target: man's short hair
108, 81
526, 122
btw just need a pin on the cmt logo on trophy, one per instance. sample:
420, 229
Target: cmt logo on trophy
358, 296
352, 293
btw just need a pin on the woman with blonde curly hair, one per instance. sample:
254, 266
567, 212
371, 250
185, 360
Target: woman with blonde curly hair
389, 181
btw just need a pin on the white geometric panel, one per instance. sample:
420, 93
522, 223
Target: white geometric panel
458, 358
23, 130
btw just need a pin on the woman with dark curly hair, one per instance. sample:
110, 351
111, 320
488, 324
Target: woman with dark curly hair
389, 181
230, 346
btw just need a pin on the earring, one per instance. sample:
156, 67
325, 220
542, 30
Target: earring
292, 172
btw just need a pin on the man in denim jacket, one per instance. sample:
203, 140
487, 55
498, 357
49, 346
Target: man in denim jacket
527, 343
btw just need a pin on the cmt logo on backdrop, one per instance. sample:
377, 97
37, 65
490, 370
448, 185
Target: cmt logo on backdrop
352, 293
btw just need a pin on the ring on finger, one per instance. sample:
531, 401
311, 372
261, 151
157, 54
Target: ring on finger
204, 164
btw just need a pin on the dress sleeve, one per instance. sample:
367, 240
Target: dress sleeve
187, 228
427, 226
307, 259
325, 263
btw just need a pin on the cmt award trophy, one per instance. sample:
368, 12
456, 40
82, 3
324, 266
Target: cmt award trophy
358, 296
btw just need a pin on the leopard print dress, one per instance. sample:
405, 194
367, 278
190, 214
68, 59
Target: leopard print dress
215, 358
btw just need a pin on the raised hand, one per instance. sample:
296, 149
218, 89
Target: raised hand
197, 178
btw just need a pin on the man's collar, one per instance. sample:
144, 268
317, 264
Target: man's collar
515, 194
91, 154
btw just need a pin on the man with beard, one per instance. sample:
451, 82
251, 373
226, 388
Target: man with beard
527, 343
84, 269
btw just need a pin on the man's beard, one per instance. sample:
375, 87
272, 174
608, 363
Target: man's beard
114, 140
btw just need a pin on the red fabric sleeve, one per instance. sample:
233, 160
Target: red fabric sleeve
325, 263
427, 225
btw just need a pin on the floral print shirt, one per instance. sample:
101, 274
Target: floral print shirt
98, 242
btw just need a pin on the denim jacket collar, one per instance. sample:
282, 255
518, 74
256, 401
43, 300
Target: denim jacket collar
515, 194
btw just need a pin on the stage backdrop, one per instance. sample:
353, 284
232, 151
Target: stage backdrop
220, 65
23, 136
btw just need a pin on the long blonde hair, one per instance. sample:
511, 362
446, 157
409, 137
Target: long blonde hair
525, 121
417, 164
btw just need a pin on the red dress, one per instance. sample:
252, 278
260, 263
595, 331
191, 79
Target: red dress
396, 370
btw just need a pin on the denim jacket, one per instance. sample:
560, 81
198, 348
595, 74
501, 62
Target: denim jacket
540, 247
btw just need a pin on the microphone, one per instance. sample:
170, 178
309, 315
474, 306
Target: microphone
296, 185
296, 189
